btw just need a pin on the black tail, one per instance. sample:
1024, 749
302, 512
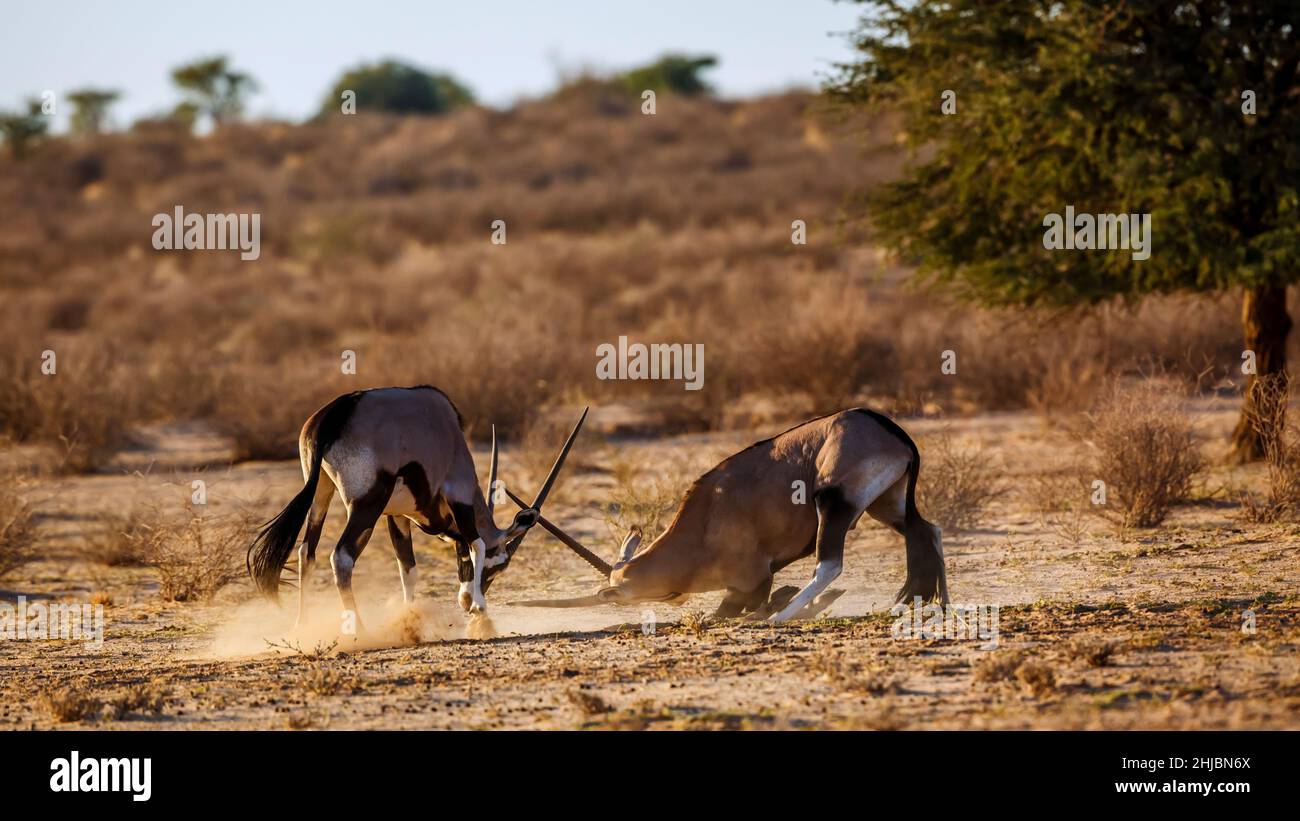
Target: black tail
274, 543
925, 572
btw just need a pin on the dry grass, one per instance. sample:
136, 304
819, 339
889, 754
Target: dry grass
851, 675
322, 678
607, 212
15, 524
1281, 455
696, 622
957, 483
589, 704
1145, 451
998, 666
124, 541
73, 704
1094, 653
195, 554
642, 499
1037, 678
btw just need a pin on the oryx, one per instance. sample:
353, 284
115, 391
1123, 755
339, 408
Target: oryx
400, 453
746, 519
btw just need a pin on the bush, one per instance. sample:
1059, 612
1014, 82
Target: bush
15, 525
1281, 445
956, 484
1145, 451
194, 557
398, 88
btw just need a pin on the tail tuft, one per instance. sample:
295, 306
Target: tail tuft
275, 541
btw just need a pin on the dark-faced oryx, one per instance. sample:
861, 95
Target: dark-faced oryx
400, 453
745, 519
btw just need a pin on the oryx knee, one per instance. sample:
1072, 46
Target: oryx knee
341, 561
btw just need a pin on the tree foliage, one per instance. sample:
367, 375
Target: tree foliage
21, 128
213, 88
398, 88
90, 110
678, 73
1134, 107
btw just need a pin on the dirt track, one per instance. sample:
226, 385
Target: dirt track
1096, 630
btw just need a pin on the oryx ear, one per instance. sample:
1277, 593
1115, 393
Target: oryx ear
630, 544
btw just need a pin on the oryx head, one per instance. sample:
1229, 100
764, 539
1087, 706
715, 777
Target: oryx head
501, 544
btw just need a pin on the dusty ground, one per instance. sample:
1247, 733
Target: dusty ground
1098, 628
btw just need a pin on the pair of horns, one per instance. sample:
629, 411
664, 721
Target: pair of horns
545, 490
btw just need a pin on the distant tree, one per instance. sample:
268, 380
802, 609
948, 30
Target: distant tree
213, 88
21, 128
398, 88
673, 72
1186, 110
90, 110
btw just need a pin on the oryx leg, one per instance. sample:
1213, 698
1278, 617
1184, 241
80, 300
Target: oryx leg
737, 602
471, 589
891, 507
320, 506
399, 531
835, 515
363, 514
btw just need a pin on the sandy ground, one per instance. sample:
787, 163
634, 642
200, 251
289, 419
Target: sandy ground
1097, 628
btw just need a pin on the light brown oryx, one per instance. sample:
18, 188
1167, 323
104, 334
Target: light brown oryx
400, 453
743, 521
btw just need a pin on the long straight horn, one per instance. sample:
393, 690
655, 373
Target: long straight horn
492, 480
540, 498
559, 463
573, 544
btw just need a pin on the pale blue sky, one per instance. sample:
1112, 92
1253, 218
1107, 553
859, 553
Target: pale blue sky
504, 49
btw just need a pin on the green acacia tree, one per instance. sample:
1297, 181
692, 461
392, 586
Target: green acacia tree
213, 88
398, 88
1187, 111
679, 73
90, 110
21, 128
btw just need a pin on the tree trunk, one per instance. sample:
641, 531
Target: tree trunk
1265, 324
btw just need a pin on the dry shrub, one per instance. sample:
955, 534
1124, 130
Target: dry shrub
1037, 678
321, 678
196, 556
1281, 453
123, 542
1094, 653
609, 212
589, 704
82, 410
72, 704
15, 524
850, 674
1000, 666
642, 499
263, 412
1145, 451
696, 623
956, 483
